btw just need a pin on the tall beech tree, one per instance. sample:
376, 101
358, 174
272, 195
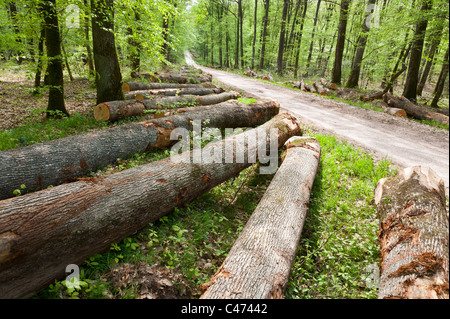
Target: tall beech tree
336, 73
412, 78
360, 47
56, 106
108, 76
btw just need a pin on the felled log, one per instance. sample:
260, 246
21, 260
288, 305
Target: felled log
115, 110
259, 263
55, 162
43, 232
303, 86
137, 86
173, 77
413, 235
140, 95
325, 83
371, 96
396, 112
413, 109
320, 89
310, 88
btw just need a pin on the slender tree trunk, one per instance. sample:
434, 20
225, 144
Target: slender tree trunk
312, 35
431, 53
264, 35
56, 106
280, 66
337, 67
299, 40
90, 60
412, 78
241, 29
109, 78
361, 46
37, 78
254, 34
441, 81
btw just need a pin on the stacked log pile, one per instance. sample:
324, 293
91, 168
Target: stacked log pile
43, 232
55, 162
321, 87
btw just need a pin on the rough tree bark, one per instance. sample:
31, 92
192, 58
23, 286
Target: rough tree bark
339, 53
173, 77
115, 110
413, 235
37, 246
413, 110
108, 76
137, 86
56, 105
412, 78
55, 162
172, 92
259, 263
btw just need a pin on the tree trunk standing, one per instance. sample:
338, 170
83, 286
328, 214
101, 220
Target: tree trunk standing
108, 77
259, 263
308, 61
337, 67
12, 10
56, 107
441, 82
241, 31
281, 43
413, 235
55, 162
90, 61
236, 55
264, 34
134, 45
299, 39
254, 34
430, 58
353, 79
37, 246
66, 60
412, 78
39, 65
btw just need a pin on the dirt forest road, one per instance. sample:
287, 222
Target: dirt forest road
404, 142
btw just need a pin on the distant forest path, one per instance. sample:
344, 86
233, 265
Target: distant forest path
402, 141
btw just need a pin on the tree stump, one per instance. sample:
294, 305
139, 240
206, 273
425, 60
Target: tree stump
413, 235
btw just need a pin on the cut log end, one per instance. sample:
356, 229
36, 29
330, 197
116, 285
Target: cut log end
396, 112
126, 87
102, 112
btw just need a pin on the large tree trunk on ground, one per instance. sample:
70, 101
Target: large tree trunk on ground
173, 77
413, 235
320, 89
115, 110
413, 110
372, 96
140, 95
396, 112
138, 86
37, 246
328, 85
55, 162
259, 263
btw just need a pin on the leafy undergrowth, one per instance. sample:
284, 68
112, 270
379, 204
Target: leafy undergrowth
173, 256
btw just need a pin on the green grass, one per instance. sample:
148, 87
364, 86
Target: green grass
339, 239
